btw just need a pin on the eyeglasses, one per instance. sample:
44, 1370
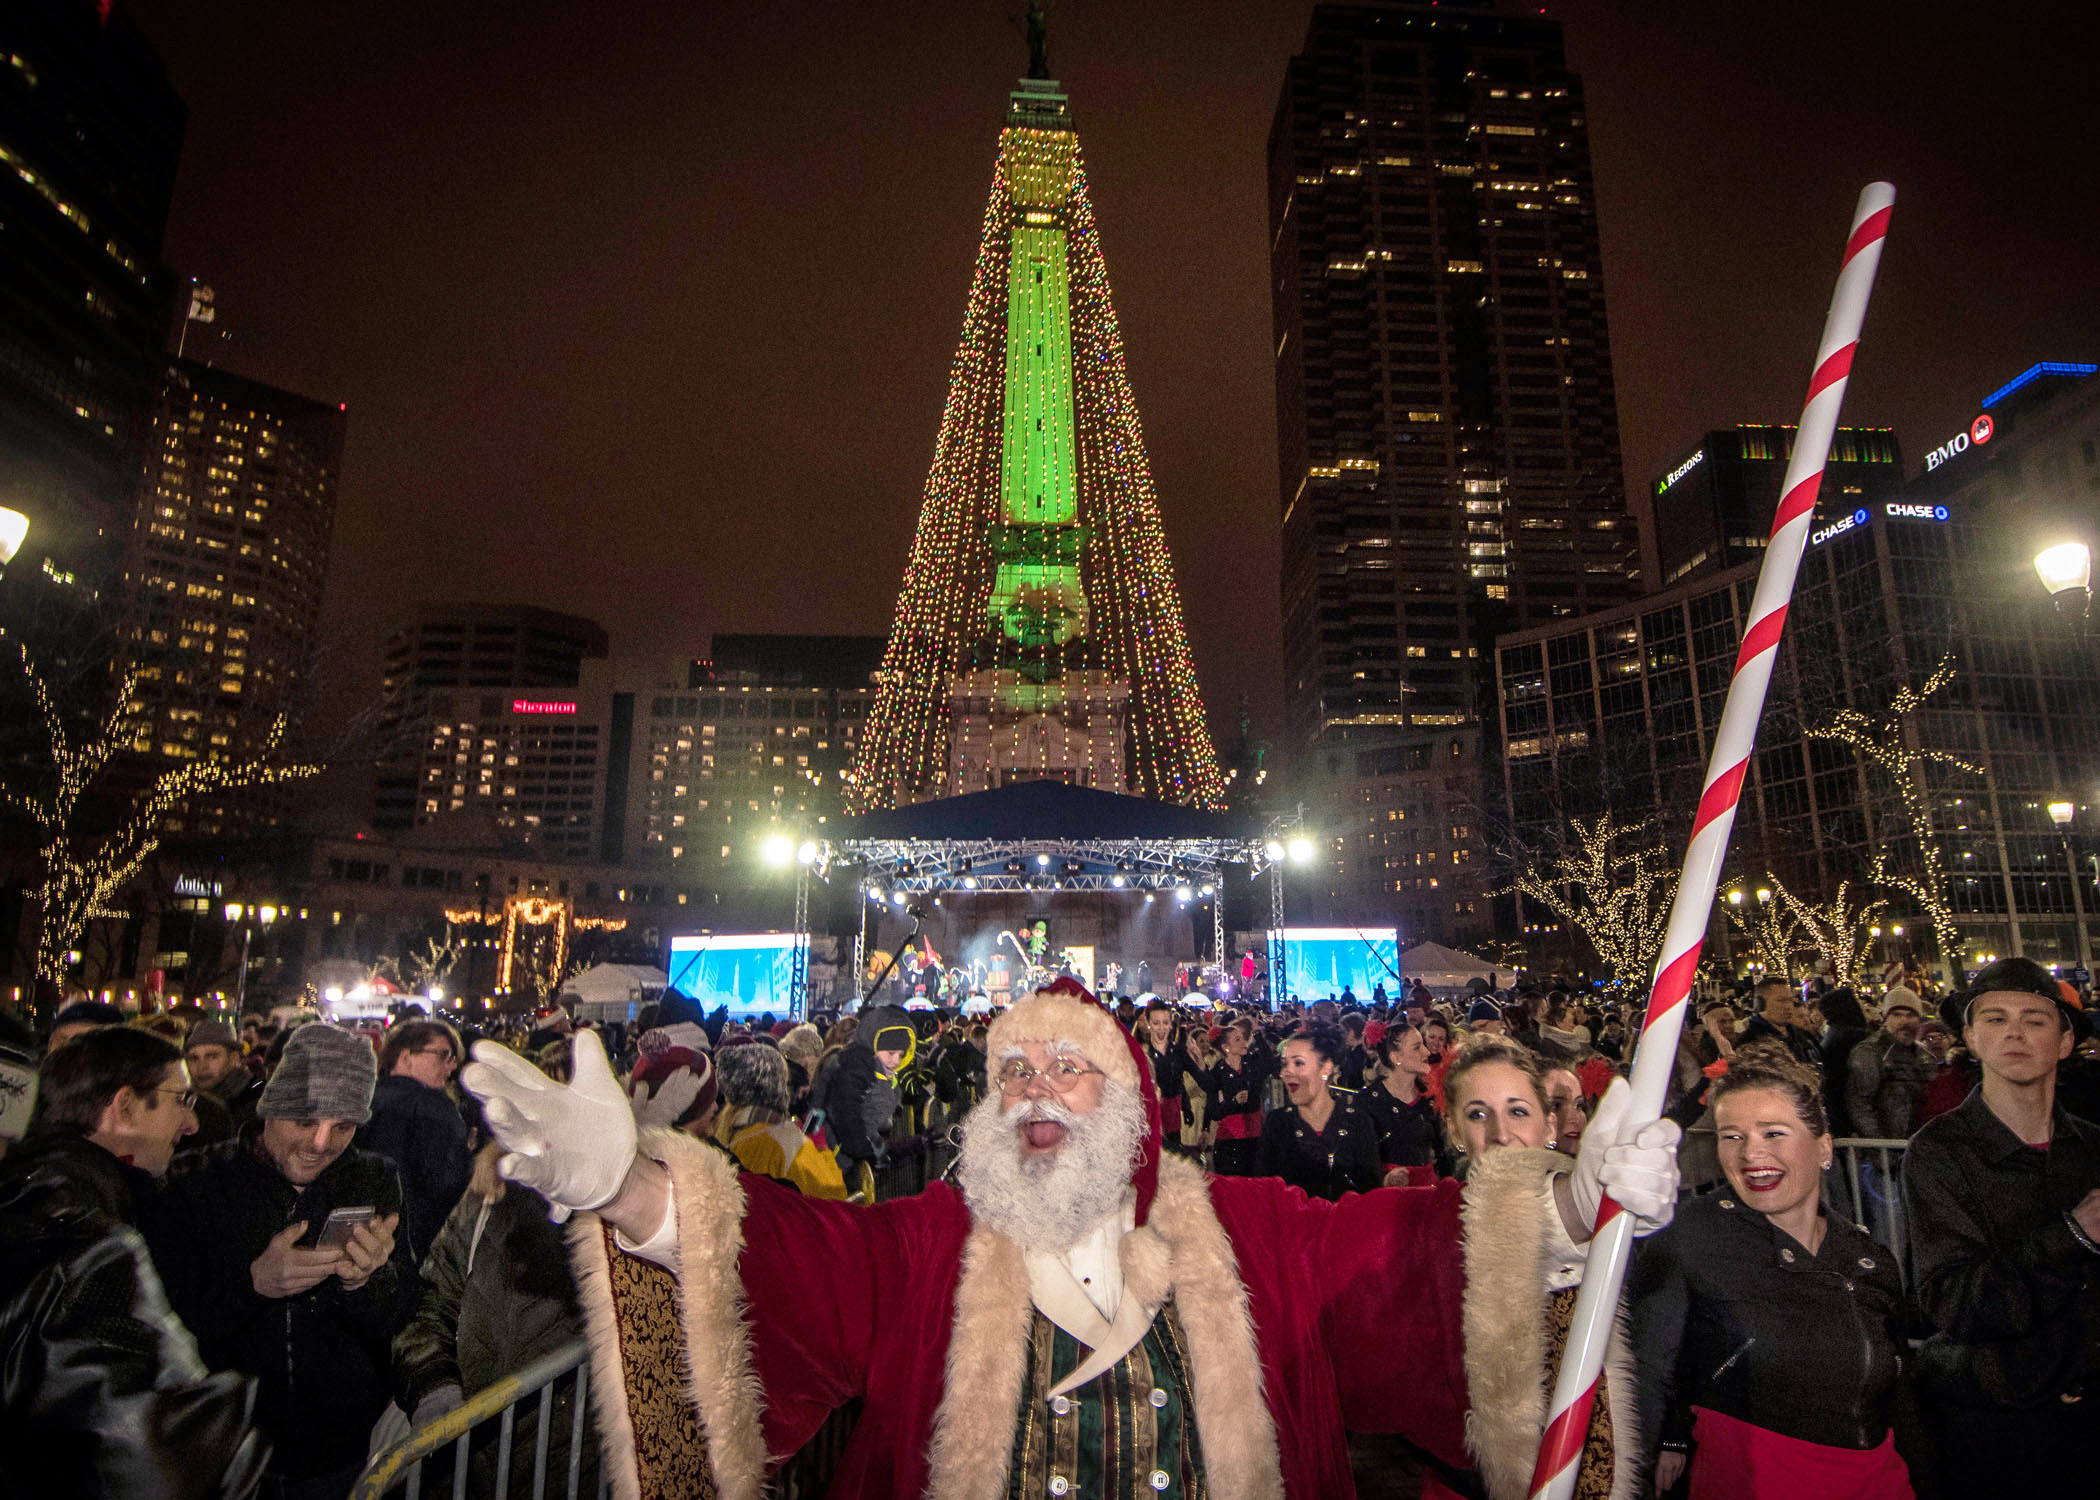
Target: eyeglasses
446, 1053
1064, 1074
187, 1098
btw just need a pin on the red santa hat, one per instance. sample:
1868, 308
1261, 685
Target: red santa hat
1063, 1011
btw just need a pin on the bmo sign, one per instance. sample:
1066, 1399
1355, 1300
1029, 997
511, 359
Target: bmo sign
1978, 434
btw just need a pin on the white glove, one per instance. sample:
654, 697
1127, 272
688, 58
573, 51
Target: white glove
572, 1143
1637, 1165
673, 1097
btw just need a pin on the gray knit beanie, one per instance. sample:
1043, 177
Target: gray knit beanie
326, 1073
753, 1072
211, 1032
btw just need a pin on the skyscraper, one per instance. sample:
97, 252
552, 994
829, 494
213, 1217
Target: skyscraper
1447, 431
228, 556
1038, 632
1713, 506
90, 135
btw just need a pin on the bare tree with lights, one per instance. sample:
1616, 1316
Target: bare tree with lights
1887, 741
1611, 882
1842, 934
85, 871
1771, 926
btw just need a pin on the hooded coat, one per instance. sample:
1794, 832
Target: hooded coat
858, 1099
1303, 1320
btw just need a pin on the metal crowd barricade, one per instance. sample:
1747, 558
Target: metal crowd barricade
1868, 1190
399, 1470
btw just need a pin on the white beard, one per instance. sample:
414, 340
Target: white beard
1050, 1200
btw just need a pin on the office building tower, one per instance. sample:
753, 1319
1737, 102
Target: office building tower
227, 561
758, 740
1447, 432
90, 135
1998, 803
517, 649
1713, 507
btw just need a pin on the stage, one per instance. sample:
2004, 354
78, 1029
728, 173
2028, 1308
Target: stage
1112, 879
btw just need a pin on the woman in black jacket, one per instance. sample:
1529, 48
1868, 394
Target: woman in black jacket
1401, 1109
1767, 1335
1322, 1143
1233, 1085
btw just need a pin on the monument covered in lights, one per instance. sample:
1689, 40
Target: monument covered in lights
1038, 633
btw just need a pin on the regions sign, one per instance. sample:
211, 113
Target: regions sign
1680, 471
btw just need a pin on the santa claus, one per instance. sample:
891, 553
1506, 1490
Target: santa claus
1079, 1317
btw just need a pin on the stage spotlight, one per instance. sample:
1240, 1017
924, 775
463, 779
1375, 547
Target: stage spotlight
807, 854
1182, 894
1117, 881
1013, 867
777, 850
969, 881
1301, 850
1043, 860
1274, 852
897, 898
1210, 890
1148, 896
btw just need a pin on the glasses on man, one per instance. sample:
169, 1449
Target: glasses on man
444, 1055
1064, 1074
186, 1098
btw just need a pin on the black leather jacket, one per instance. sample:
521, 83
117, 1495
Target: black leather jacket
104, 1392
1729, 1313
2014, 1295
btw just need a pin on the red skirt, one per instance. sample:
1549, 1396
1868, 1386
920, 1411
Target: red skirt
1738, 1461
1240, 1127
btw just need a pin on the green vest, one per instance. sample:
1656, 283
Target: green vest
1129, 1434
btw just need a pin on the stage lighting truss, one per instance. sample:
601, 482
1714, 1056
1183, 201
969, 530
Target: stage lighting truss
987, 865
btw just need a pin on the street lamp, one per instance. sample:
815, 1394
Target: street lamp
235, 912
14, 526
2060, 813
2066, 571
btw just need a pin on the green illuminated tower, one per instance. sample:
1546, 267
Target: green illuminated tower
1039, 630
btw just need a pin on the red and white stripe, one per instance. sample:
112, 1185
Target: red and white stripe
1575, 1392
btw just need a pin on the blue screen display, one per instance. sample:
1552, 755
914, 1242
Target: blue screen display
1320, 962
750, 975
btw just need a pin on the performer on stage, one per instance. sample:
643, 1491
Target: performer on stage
1082, 1317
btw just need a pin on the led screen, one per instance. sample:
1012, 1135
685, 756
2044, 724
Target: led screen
749, 974
1320, 962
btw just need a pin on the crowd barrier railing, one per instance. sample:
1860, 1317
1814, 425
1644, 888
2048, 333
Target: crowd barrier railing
1867, 1187
400, 1469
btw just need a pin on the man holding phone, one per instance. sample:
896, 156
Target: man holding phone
280, 1252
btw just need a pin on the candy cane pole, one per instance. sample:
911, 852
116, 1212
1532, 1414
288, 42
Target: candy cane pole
1575, 1392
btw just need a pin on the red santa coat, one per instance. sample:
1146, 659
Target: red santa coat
1304, 1319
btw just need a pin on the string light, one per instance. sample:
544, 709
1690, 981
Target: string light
1882, 741
1841, 935
1614, 887
84, 877
1003, 573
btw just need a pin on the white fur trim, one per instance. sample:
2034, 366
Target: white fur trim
1053, 1016
1511, 1226
1182, 1250
708, 1205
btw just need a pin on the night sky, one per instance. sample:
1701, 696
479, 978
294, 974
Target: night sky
645, 311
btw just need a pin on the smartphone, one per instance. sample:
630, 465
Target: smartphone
335, 1234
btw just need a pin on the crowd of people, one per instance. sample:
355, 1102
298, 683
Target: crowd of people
243, 1259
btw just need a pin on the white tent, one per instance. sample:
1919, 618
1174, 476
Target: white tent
1443, 968
613, 992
